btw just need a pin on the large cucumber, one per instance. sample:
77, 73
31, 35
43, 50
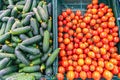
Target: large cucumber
4, 37
34, 26
7, 49
34, 4
52, 57
30, 13
4, 62
37, 14
49, 26
49, 7
23, 37
21, 57
37, 75
46, 41
5, 19
16, 39
32, 57
27, 6
2, 30
36, 62
16, 24
7, 55
45, 8
5, 13
19, 7
14, 12
32, 40
21, 30
26, 20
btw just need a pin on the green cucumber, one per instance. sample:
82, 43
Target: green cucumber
30, 69
37, 15
9, 63
34, 4
32, 40
16, 24
30, 13
5, 19
41, 31
21, 65
42, 14
21, 57
14, 12
4, 37
49, 26
10, 6
5, 13
13, 44
40, 3
30, 34
20, 3
8, 70
23, 36
29, 49
19, 7
10, 2
36, 62
7, 55
27, 6
45, 8
26, 20
21, 30
49, 71
44, 25
8, 49
37, 75
46, 41
49, 7
2, 30
42, 67
34, 26
16, 39
4, 62
52, 57
9, 24
32, 57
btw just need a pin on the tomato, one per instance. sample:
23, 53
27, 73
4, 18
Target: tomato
75, 57
83, 75
89, 74
115, 70
99, 69
64, 22
60, 34
70, 46
104, 25
76, 75
82, 25
72, 15
114, 61
89, 6
62, 53
79, 36
94, 63
100, 30
61, 46
105, 41
66, 29
109, 14
66, 41
80, 62
61, 69
60, 29
81, 56
64, 58
104, 18
60, 76
101, 5
69, 24
103, 35
64, 14
69, 53
82, 45
92, 22
92, 68
99, 44
60, 39
100, 13
91, 54
97, 55
94, 2
109, 66
87, 19
115, 29
96, 75
70, 68
88, 35
88, 61
60, 17
68, 11
68, 19
112, 19
78, 68
78, 30
94, 11
85, 68
85, 30
116, 39
78, 13
70, 75
106, 46
111, 24
107, 75
75, 63
65, 63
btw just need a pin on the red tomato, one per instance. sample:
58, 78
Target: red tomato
61, 69
85, 68
64, 14
60, 76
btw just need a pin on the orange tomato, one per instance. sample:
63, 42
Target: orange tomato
99, 69
109, 66
91, 54
96, 75
107, 75
88, 61
103, 51
60, 76
66, 41
101, 63
61, 69
83, 75
81, 62
70, 75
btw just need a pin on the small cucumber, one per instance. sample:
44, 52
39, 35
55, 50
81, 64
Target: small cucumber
27, 6
2, 30
10, 2
52, 57
34, 4
29, 49
20, 3
32, 57
14, 12
8, 49
16, 24
21, 65
21, 57
49, 71
49, 26
30, 69
34, 26
7, 55
36, 62
23, 37
9, 24
30, 13
30, 34
46, 41
5, 19
44, 25
26, 20
40, 3
37, 15
8, 70
19, 7
5, 13
32, 40
16, 39
4, 37
21, 30
41, 31
4, 62
45, 8
49, 7
37, 75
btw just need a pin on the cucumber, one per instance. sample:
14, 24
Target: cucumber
19, 7
8, 49
30, 69
9, 24
40, 3
20, 3
42, 14
37, 15
4, 62
34, 26
13, 44
2, 30
37, 75
21, 65
9, 63
32, 40
42, 67
36, 62
20, 30
5, 13
7, 55
14, 12
29, 49
5, 19
10, 2
30, 34
4, 37
52, 57
44, 25
27, 6
8, 70
23, 37
32, 57
16, 24
45, 8
21, 57
49, 71
41, 31
49, 7
34, 4
26, 20
46, 41
10, 6
45, 56
16, 39
30, 13
49, 26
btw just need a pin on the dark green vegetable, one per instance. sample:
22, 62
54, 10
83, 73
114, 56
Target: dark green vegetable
7, 55
30, 13
49, 8
37, 75
2, 30
16, 24
19, 7
10, 2
5, 19
41, 31
4, 62
32, 57
23, 37
45, 8
30, 34
21, 65
49, 26
26, 20
4, 37
16, 39
49, 71
37, 14
7, 49
14, 12
34, 4
36, 62
27, 6
5, 13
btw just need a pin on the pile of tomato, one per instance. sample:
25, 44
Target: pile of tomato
88, 43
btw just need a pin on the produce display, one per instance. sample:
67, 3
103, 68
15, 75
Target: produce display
26, 40
88, 43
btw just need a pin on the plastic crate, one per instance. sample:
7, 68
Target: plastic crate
62, 5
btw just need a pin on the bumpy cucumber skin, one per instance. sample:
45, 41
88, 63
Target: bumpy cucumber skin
14, 12
4, 62
16, 24
23, 36
2, 30
5, 13
7, 55
16, 39
34, 4
37, 15
27, 6
49, 71
26, 20
4, 37
8, 49
49, 26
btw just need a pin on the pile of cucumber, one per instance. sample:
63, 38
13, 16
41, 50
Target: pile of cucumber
26, 40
